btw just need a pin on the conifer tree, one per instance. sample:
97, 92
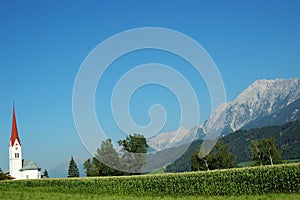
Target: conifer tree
45, 174
73, 169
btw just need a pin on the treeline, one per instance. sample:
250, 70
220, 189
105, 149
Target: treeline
264, 146
263, 152
286, 138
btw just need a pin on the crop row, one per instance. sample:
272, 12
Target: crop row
254, 180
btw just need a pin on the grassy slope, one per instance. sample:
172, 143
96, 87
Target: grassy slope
250, 163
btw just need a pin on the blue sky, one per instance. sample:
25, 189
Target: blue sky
43, 43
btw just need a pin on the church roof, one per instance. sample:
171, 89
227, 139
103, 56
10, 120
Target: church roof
14, 131
29, 165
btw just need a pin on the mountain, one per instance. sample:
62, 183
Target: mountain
264, 103
286, 136
169, 139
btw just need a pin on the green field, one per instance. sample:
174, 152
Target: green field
25, 195
251, 163
267, 182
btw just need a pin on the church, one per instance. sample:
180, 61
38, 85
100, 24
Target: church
18, 167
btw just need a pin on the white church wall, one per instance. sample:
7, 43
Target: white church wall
31, 174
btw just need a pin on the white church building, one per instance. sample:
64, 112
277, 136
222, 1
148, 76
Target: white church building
18, 167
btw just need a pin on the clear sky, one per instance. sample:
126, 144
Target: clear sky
43, 43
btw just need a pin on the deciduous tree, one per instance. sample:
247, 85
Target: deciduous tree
218, 158
105, 162
134, 148
264, 152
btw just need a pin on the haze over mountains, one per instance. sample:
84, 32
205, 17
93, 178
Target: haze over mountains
263, 103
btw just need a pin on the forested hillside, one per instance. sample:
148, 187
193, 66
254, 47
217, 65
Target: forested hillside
287, 138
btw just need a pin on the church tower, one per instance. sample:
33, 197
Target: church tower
15, 150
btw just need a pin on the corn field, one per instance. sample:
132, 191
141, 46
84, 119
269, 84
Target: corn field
253, 180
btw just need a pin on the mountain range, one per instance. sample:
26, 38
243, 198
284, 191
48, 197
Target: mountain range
263, 103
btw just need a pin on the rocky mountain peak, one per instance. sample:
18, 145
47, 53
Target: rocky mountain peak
263, 103
261, 99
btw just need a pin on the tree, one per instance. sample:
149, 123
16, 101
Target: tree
134, 148
73, 169
264, 152
3, 176
219, 158
201, 164
224, 159
135, 143
108, 162
88, 166
105, 162
45, 174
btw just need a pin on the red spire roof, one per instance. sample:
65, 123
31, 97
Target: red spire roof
14, 131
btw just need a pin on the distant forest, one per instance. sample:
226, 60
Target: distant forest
287, 138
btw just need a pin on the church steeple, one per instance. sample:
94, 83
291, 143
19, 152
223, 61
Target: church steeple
14, 131
15, 150
17, 168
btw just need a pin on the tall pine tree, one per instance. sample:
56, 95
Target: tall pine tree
45, 174
73, 169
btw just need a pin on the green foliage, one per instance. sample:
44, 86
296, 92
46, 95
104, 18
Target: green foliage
105, 157
45, 174
219, 158
287, 140
283, 178
107, 160
73, 169
135, 143
3, 176
134, 148
264, 152
286, 136
183, 163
